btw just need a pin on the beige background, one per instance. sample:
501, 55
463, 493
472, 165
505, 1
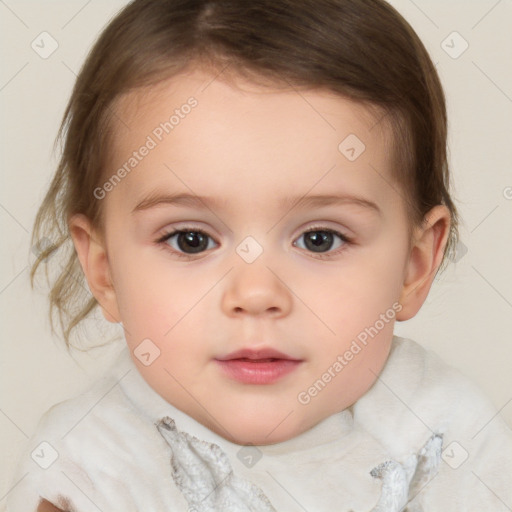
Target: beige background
467, 318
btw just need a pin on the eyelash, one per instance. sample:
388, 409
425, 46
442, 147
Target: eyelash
168, 235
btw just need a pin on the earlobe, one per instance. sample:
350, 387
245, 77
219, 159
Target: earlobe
91, 252
424, 260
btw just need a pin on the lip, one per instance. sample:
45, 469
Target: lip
262, 366
262, 353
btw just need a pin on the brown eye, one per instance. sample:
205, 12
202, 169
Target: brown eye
187, 241
322, 240
192, 241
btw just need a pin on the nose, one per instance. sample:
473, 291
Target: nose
254, 289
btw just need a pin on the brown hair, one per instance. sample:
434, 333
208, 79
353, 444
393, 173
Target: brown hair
360, 49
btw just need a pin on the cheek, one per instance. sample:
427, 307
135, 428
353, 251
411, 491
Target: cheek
361, 372
157, 303
360, 294
147, 300
360, 304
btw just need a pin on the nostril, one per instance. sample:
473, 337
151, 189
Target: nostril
272, 309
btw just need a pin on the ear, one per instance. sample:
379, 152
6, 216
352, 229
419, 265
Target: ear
92, 254
429, 242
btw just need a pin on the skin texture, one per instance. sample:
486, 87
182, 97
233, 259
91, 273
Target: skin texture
46, 506
253, 149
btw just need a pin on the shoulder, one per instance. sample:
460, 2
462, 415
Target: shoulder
96, 446
416, 395
418, 389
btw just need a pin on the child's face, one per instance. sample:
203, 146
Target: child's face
254, 154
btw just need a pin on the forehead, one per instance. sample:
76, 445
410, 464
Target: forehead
318, 109
226, 138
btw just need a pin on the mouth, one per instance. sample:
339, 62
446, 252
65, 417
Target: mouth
264, 366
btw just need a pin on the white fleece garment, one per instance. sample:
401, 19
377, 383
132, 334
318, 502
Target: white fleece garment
121, 447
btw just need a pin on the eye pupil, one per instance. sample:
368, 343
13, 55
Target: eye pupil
318, 241
192, 240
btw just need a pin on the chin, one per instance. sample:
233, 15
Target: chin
262, 432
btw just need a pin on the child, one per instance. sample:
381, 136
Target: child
257, 191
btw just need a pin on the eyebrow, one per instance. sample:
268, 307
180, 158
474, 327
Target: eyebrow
211, 203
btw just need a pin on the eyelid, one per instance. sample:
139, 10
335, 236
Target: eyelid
191, 225
343, 233
323, 227
169, 231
